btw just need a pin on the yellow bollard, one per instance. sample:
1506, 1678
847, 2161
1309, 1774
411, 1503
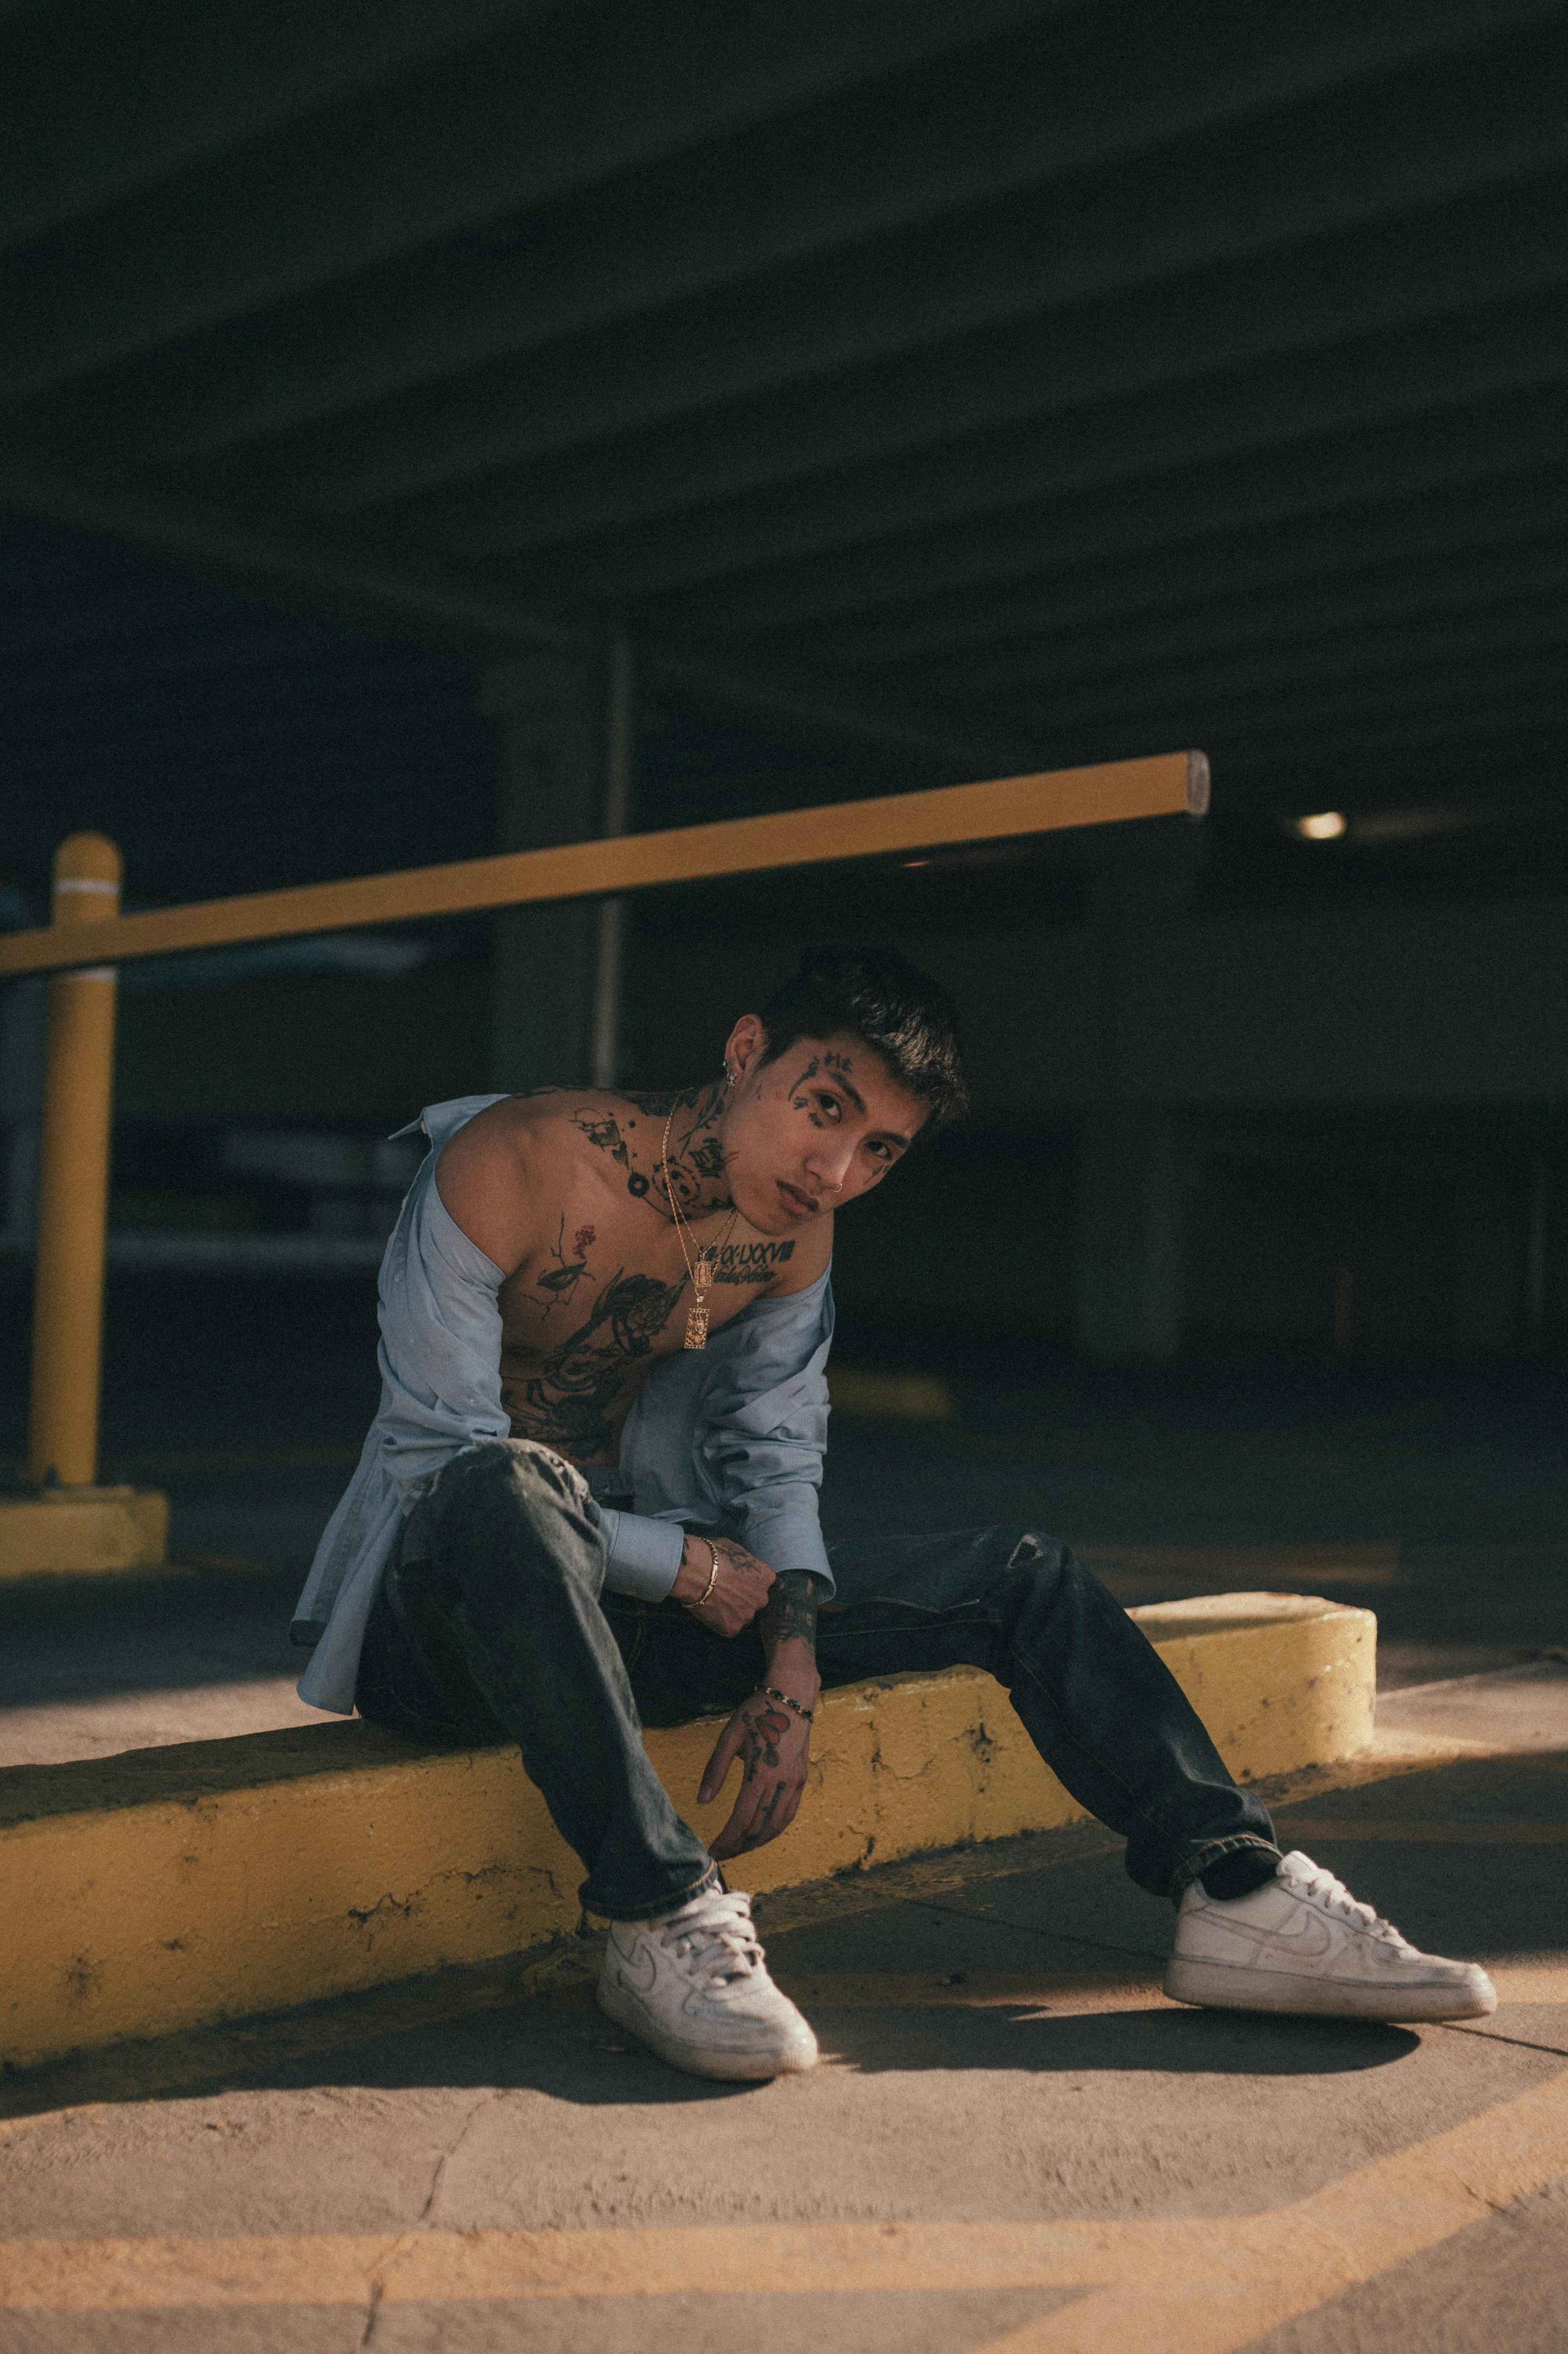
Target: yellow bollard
74, 1524
73, 1181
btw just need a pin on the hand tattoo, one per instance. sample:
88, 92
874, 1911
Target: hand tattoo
765, 1728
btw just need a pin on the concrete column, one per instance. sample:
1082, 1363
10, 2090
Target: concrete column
566, 737
1133, 1180
1487, 1274
1136, 1167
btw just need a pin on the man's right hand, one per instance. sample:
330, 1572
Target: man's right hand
739, 1591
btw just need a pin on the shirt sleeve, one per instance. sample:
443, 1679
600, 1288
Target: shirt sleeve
765, 1433
643, 1555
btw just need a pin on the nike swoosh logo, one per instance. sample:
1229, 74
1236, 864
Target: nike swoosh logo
1309, 1942
641, 1978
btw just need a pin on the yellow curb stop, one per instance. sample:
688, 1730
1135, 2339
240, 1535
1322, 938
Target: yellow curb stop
178, 1887
76, 1531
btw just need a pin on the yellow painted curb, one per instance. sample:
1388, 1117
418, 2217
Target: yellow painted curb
66, 1532
891, 1397
177, 1887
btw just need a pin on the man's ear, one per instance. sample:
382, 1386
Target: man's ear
746, 1041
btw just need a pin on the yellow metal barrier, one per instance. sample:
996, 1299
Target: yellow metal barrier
73, 1524
73, 1193
1169, 783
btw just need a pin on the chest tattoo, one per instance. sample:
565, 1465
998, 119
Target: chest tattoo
751, 1262
606, 1134
567, 1402
561, 1280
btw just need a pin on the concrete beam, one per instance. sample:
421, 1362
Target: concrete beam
1249, 706
823, 704
966, 134
1381, 463
176, 1887
1515, 599
1413, 373
1460, 256
1409, 765
191, 529
517, 119
1470, 524
102, 107
1278, 184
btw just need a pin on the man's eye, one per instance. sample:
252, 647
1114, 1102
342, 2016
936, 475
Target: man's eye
829, 1103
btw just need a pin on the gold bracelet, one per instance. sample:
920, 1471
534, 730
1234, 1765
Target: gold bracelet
713, 1576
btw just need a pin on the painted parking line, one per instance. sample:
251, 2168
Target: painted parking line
1070, 1993
976, 1990
1191, 2285
1460, 1833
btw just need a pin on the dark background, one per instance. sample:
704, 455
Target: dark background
915, 393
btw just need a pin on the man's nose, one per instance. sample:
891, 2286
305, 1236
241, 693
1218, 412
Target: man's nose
830, 1164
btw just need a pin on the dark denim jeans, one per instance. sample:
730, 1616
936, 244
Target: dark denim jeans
492, 1624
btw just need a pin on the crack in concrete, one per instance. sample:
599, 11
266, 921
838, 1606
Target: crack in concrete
1032, 1928
1490, 2035
484, 2102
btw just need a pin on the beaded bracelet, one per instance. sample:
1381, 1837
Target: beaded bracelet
785, 1702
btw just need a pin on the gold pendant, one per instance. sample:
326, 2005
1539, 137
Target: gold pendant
697, 1313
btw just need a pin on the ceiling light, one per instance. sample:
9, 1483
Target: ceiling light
1327, 826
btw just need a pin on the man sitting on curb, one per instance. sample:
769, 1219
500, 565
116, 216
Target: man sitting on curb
588, 1503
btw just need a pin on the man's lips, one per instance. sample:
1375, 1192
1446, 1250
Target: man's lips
801, 1204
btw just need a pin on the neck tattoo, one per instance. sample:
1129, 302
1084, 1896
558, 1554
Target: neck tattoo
700, 1270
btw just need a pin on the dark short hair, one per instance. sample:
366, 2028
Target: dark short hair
878, 995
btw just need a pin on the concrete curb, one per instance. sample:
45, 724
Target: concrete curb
83, 1532
179, 1887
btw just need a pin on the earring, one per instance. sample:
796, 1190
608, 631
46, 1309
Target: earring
729, 1075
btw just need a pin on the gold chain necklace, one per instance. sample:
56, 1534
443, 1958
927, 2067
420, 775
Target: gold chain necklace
701, 1274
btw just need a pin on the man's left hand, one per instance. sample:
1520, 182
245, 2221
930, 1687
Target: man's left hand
774, 1745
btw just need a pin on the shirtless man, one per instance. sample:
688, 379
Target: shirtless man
590, 1503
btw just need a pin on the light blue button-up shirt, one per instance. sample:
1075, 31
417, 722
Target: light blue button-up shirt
736, 1430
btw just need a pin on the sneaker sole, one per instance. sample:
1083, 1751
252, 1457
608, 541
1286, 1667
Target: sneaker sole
1226, 1986
699, 2059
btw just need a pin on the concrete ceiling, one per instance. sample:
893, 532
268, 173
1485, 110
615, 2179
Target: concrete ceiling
998, 381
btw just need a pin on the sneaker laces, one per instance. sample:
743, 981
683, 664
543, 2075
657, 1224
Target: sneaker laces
714, 1933
1308, 1879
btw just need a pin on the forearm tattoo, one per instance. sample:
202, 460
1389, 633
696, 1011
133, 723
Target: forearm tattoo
792, 1606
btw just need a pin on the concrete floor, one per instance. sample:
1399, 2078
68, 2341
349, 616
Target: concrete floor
998, 2060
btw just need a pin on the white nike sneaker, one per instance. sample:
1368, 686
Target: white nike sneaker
694, 1987
1302, 1942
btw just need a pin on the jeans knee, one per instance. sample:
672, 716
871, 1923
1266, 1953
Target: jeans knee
1031, 1570
519, 1468
1029, 1555
516, 1499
